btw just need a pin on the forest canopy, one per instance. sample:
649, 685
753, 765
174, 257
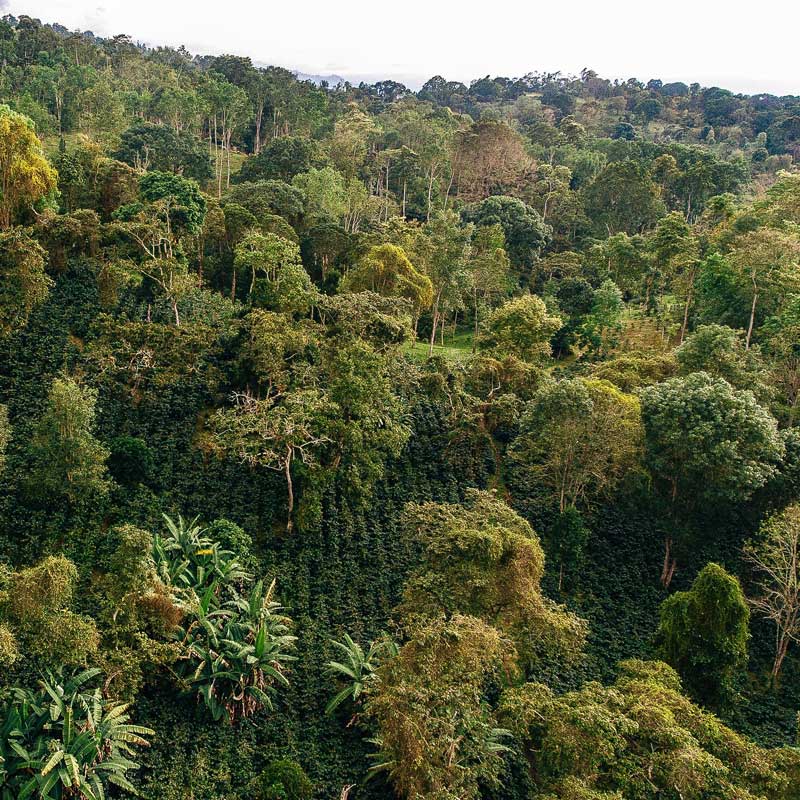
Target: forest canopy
364, 442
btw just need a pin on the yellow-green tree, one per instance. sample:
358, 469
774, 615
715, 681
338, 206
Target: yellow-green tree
386, 270
25, 174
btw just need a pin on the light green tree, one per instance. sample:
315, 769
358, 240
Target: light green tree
68, 459
521, 327
24, 284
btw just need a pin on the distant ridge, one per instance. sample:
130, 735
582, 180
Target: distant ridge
331, 80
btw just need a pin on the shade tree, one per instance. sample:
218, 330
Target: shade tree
703, 633
706, 443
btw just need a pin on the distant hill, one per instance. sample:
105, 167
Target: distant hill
331, 80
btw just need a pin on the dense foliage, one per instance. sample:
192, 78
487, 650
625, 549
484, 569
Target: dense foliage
361, 442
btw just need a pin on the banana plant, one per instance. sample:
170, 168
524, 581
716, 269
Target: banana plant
358, 668
65, 740
236, 656
187, 560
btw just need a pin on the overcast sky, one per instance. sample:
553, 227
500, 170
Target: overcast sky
750, 47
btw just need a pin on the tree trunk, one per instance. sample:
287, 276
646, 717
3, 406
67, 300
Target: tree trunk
257, 143
289, 489
686, 307
752, 317
668, 570
780, 655
475, 334
433, 330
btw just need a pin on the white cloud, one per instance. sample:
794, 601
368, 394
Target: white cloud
712, 42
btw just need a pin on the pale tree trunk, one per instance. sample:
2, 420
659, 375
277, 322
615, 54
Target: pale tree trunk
475, 334
752, 317
780, 655
687, 306
257, 143
433, 329
670, 565
289, 489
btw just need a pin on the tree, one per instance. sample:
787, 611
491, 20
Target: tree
290, 288
489, 270
157, 147
435, 731
277, 432
603, 323
703, 634
40, 628
639, 737
781, 338
282, 780
623, 199
768, 267
25, 174
443, 252
265, 198
349, 144
677, 253
526, 233
488, 158
626, 258
579, 438
386, 270
68, 459
706, 442
170, 208
359, 669
775, 556
281, 159
482, 559
227, 107
24, 284
521, 327
65, 739
720, 351
234, 641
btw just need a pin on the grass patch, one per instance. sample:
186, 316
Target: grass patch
456, 347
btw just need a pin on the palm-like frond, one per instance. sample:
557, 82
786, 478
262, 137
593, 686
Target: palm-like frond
358, 668
65, 739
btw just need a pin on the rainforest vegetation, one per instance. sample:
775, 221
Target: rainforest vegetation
358, 442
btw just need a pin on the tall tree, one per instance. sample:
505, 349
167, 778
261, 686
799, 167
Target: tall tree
443, 253
69, 460
578, 438
706, 442
768, 267
25, 174
775, 556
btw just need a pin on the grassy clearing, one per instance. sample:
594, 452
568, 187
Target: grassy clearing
456, 347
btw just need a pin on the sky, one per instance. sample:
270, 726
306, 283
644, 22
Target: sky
747, 47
